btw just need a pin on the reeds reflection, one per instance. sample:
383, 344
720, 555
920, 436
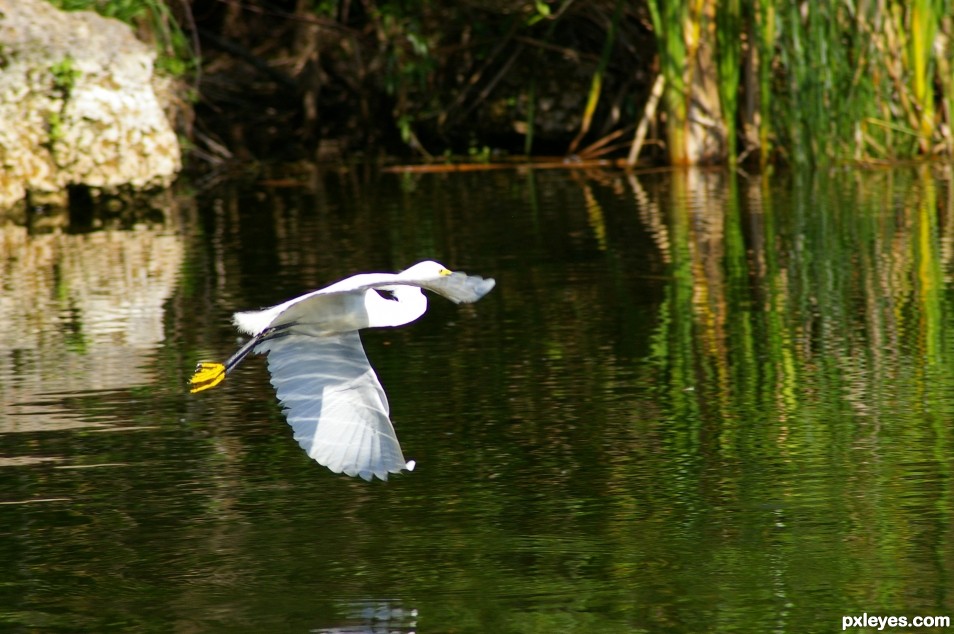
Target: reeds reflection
802, 357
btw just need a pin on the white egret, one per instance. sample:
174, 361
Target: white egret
331, 396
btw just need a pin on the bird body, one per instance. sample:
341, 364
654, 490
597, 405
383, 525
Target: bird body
330, 394
348, 305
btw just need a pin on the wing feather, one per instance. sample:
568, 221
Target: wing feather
334, 403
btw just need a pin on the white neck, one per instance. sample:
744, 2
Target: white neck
408, 304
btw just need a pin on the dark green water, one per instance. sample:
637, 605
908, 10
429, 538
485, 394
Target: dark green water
693, 403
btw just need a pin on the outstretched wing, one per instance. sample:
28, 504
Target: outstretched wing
334, 403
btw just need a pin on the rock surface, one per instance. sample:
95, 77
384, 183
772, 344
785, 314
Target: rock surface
77, 104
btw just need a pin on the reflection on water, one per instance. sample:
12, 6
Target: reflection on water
375, 617
694, 402
82, 315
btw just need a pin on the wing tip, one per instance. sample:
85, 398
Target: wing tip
486, 286
368, 475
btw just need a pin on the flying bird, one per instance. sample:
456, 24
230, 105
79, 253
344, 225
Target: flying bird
330, 394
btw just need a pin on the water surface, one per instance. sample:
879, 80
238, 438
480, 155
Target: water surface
694, 402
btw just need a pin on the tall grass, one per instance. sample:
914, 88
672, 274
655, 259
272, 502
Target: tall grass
925, 17
729, 52
835, 79
668, 20
764, 30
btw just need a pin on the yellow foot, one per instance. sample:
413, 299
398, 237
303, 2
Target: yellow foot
206, 375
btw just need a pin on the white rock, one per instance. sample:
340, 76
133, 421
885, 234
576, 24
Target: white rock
77, 104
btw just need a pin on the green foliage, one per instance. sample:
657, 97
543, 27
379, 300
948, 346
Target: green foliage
669, 20
728, 50
857, 81
887, 110
64, 80
408, 63
925, 16
763, 25
324, 8
64, 77
125, 10
541, 12
54, 122
481, 154
819, 77
836, 80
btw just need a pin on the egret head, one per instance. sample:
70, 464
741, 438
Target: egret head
428, 269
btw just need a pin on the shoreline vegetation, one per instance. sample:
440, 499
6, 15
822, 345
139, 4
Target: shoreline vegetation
645, 82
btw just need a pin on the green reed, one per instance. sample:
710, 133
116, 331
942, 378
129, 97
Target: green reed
832, 80
668, 20
729, 52
763, 28
925, 16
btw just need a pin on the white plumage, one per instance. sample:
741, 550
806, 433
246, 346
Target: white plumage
330, 394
